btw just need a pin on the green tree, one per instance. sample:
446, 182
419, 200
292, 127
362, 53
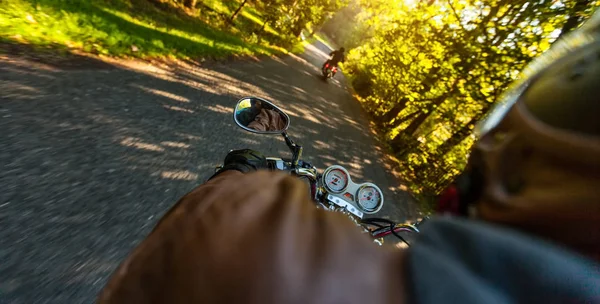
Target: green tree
428, 71
190, 3
238, 9
292, 16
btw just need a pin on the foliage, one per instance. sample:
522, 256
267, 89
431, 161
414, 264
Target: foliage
112, 28
175, 28
348, 26
291, 17
427, 71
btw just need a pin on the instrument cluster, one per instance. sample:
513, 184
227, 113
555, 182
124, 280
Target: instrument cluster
356, 198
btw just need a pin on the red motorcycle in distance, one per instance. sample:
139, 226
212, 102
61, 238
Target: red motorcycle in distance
329, 71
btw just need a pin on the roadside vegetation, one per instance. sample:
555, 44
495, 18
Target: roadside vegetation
428, 71
169, 28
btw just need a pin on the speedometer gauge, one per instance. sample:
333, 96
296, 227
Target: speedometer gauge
369, 198
336, 179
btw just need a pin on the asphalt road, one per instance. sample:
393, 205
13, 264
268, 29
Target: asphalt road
92, 155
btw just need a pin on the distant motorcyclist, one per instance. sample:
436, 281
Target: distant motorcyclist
335, 57
530, 232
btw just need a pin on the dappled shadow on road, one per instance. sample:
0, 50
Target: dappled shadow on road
93, 157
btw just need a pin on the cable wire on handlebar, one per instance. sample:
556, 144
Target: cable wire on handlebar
383, 232
405, 227
390, 225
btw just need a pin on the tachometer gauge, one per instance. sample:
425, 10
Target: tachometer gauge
369, 198
336, 179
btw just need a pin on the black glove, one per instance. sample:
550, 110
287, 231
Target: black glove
245, 160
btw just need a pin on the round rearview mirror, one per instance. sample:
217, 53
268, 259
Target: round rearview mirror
258, 115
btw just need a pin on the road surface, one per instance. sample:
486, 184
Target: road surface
92, 155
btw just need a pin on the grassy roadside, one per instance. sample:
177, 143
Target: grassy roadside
136, 28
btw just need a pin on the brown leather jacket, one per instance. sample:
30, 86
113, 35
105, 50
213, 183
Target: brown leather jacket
227, 242
267, 120
257, 238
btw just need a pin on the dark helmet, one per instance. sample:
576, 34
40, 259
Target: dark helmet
537, 160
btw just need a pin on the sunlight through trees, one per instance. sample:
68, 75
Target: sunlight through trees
428, 71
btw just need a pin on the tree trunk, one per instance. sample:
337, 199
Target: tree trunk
416, 123
238, 10
404, 119
393, 113
574, 18
262, 28
297, 30
462, 133
401, 145
456, 138
405, 140
428, 82
190, 3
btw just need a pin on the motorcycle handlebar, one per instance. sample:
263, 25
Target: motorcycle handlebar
288, 162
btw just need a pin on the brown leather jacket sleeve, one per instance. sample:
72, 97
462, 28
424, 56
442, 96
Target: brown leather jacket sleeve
256, 238
267, 120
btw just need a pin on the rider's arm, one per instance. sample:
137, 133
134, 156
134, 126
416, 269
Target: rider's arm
255, 238
267, 120
261, 122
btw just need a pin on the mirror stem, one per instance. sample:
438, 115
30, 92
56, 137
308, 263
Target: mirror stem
296, 149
